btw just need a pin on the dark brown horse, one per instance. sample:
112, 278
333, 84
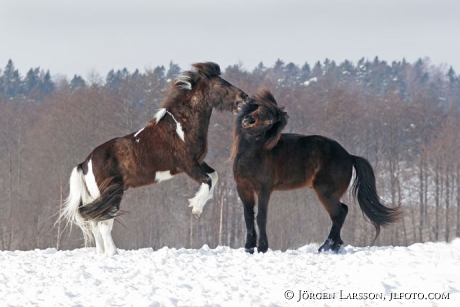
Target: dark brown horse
267, 160
175, 141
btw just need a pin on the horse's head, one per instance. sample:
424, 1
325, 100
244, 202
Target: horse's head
206, 85
262, 117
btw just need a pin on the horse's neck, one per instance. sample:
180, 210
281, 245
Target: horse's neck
195, 123
250, 145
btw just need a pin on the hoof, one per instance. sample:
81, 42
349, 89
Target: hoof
249, 250
111, 253
330, 245
196, 213
262, 249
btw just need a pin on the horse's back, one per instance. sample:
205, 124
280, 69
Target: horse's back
299, 159
119, 161
334, 165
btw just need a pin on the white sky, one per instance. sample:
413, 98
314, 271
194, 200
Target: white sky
84, 36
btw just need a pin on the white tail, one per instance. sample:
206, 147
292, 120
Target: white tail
78, 194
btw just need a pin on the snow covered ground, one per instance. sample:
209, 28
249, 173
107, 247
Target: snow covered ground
419, 275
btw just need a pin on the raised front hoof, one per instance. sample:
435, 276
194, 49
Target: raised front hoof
249, 250
330, 245
196, 213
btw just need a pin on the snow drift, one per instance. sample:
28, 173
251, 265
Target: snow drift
426, 274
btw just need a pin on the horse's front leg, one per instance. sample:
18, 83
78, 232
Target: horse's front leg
199, 174
263, 199
214, 178
247, 197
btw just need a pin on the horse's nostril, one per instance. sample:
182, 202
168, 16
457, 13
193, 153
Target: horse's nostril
248, 120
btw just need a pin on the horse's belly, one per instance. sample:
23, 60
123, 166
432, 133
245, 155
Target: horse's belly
148, 178
138, 181
293, 184
294, 178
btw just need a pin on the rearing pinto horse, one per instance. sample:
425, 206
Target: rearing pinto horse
174, 141
267, 160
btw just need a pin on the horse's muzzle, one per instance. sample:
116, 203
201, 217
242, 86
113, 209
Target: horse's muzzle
243, 99
248, 121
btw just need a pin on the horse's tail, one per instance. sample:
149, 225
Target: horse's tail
365, 191
81, 208
78, 195
106, 206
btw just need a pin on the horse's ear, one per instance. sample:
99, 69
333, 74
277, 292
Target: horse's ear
273, 135
208, 69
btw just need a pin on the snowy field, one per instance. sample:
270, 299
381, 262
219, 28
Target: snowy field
418, 275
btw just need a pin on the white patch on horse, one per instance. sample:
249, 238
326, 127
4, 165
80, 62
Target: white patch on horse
200, 199
91, 184
105, 230
159, 115
179, 130
97, 237
135, 135
162, 176
183, 82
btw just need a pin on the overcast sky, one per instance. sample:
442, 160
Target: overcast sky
82, 36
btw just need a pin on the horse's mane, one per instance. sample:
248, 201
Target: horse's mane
184, 83
188, 79
263, 98
273, 135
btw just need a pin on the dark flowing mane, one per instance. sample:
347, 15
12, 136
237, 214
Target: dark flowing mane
264, 98
208, 69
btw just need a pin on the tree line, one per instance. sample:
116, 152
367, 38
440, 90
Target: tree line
403, 117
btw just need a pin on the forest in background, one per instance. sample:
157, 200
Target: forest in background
403, 117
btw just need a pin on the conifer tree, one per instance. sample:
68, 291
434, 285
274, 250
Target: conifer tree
77, 82
31, 81
173, 71
11, 81
46, 84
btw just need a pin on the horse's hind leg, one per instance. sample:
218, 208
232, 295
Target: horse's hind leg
97, 237
247, 197
337, 212
105, 229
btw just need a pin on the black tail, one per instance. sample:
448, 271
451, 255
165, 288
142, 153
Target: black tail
365, 191
106, 206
